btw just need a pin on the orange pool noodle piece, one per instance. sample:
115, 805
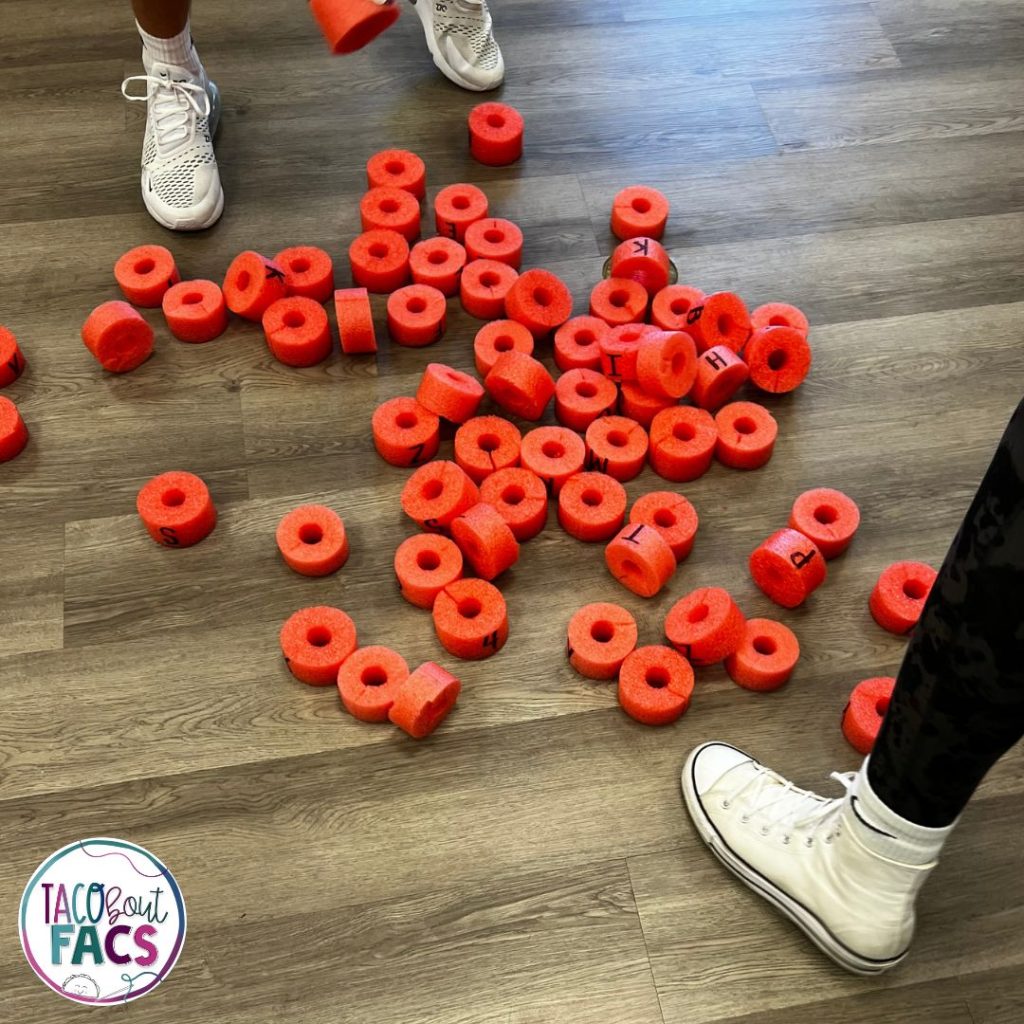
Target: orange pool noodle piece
471, 619
600, 637
495, 339
195, 311
312, 540
683, 442
720, 374
253, 284
176, 509
398, 168
899, 595
620, 349
672, 306
424, 565
315, 642
379, 261
554, 454
369, 680
640, 405
581, 396
495, 134
666, 363
297, 331
484, 287
618, 301
521, 385
495, 239
640, 559
145, 273
765, 659
118, 337
592, 506
540, 301
452, 394
12, 360
779, 359
486, 540
577, 344
616, 446
779, 314
438, 262
655, 685
829, 517
13, 432
672, 515
424, 700
417, 315
386, 208
746, 435
643, 260
348, 25
865, 712
486, 444
437, 493
308, 271
705, 626
458, 206
788, 567
355, 321
521, 499
404, 433
722, 319
639, 211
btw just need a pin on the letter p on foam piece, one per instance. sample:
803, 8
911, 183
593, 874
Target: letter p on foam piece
348, 25
788, 567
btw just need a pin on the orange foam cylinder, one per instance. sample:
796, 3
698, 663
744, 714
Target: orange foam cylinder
683, 441
424, 565
398, 168
369, 680
118, 337
496, 338
620, 348
829, 517
672, 515
779, 314
521, 385
452, 394
471, 619
438, 262
666, 363
417, 315
722, 319
495, 239
765, 658
308, 271
672, 306
640, 559
495, 134
312, 540
581, 396
437, 493
592, 506
13, 432
12, 361
253, 284
485, 444
484, 287
521, 499
540, 301
458, 206
899, 595
637, 404
315, 642
176, 509
779, 359
391, 209
643, 260
788, 567
617, 301
348, 25
616, 446
706, 626
865, 711
195, 311
655, 685
379, 261
746, 435
577, 344
424, 700
486, 540
639, 211
600, 638
145, 273
554, 454
355, 321
404, 433
297, 331
720, 374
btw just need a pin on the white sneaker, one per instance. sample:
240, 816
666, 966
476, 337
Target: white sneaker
180, 182
461, 40
806, 855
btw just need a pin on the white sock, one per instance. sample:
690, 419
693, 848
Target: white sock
884, 832
177, 50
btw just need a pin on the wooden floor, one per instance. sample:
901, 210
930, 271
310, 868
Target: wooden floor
531, 863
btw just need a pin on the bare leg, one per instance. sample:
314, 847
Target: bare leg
162, 18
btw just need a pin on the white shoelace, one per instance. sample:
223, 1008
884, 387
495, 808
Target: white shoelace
175, 106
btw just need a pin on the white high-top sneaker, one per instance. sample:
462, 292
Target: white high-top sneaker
848, 882
460, 36
180, 181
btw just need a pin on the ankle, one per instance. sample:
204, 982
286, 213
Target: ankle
178, 50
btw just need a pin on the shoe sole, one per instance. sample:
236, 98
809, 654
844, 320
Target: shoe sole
439, 63
807, 922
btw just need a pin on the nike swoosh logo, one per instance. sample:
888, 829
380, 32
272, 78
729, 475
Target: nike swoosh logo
860, 817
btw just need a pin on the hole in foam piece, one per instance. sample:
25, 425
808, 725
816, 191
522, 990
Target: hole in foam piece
460, 202
416, 304
489, 279
379, 250
428, 561
764, 645
192, 299
778, 321
678, 363
882, 706
243, 280
173, 498
406, 420
617, 439
543, 297
585, 337
592, 498
641, 205
602, 631
698, 613
553, 449
470, 608
495, 120
777, 359
489, 442
494, 236
504, 344
826, 514
389, 206
433, 489
293, 318
310, 533
664, 518
395, 167
745, 425
146, 266
630, 568
300, 265
437, 257
657, 677
319, 636
373, 675
618, 298
683, 432
726, 324
585, 389
513, 495
680, 307
914, 589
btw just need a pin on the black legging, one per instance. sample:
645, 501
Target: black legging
958, 705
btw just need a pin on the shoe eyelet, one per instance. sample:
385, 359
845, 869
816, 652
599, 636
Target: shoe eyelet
745, 819
765, 830
829, 838
785, 840
808, 841
725, 805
